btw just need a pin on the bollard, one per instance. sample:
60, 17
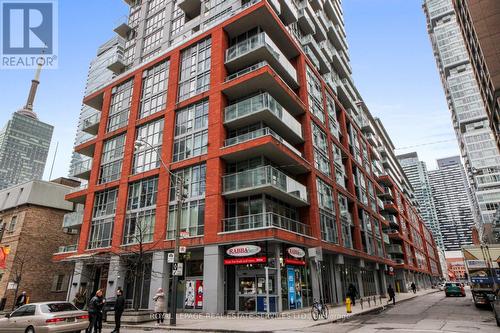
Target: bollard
361, 302
374, 300
348, 305
369, 302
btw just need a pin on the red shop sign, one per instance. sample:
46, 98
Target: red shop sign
243, 261
296, 262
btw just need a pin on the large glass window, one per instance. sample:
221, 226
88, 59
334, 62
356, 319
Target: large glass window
141, 211
120, 105
195, 69
101, 228
320, 143
191, 131
193, 207
146, 157
327, 212
154, 89
315, 95
111, 160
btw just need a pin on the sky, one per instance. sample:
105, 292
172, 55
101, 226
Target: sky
391, 56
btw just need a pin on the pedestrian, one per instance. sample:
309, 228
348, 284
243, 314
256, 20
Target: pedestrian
392, 295
159, 299
95, 306
119, 307
79, 299
414, 287
21, 299
352, 292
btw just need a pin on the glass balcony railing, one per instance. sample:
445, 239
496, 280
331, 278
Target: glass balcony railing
256, 42
264, 221
73, 219
90, 123
258, 134
258, 104
394, 248
246, 70
265, 176
81, 168
79, 188
67, 248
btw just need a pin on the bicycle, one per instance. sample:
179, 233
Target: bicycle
319, 309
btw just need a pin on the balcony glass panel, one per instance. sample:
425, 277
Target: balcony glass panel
264, 221
72, 219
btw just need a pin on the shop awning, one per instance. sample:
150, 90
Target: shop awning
479, 252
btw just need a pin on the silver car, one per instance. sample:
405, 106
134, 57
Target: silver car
48, 317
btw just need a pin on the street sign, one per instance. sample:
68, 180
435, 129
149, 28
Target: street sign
177, 268
170, 258
182, 249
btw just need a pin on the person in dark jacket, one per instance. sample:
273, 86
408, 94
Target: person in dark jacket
21, 299
392, 295
95, 306
414, 287
352, 292
119, 307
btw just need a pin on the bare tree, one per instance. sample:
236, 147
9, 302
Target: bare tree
20, 261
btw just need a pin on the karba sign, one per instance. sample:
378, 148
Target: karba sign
243, 250
296, 252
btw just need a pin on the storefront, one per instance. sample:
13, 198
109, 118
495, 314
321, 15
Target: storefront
249, 268
190, 286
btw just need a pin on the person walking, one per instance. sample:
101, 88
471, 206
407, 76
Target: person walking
119, 307
95, 306
21, 299
79, 299
392, 295
159, 299
414, 287
352, 292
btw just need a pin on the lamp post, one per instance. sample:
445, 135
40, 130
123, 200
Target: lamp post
179, 191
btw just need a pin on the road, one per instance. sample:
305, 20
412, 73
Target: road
427, 314
431, 313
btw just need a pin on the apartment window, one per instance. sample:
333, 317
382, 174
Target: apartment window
152, 41
315, 96
146, 157
320, 143
120, 105
326, 212
101, 228
13, 223
155, 22
154, 89
332, 116
154, 5
195, 69
111, 160
3, 225
193, 208
191, 131
141, 211
325, 195
60, 282
178, 19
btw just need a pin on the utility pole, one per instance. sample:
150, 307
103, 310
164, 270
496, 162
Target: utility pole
180, 198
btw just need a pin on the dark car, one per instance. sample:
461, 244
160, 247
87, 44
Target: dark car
454, 289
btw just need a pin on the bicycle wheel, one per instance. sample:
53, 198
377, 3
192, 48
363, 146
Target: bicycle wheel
315, 313
324, 311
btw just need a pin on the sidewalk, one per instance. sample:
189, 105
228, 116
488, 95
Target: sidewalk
289, 320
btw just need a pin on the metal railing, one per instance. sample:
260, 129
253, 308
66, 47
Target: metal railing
246, 70
394, 248
264, 221
261, 132
81, 167
91, 121
258, 103
262, 176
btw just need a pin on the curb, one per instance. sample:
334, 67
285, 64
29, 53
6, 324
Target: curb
222, 330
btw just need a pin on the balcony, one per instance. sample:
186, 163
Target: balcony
372, 139
260, 48
67, 248
82, 169
305, 22
387, 193
339, 64
77, 194
390, 207
91, 124
72, 220
394, 249
398, 261
322, 62
288, 12
264, 221
123, 29
268, 180
380, 203
264, 108
116, 64
270, 148
386, 239
191, 8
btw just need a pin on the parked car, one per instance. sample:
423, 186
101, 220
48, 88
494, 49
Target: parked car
47, 317
454, 288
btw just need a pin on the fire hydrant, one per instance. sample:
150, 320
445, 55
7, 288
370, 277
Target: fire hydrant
348, 305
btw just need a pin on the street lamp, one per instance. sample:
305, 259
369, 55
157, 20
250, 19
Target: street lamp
179, 191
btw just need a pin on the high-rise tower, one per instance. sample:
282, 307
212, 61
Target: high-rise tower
24, 143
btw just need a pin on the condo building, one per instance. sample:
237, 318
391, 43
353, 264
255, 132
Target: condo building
453, 201
417, 174
24, 143
468, 109
252, 105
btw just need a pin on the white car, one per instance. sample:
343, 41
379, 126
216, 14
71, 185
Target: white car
48, 317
